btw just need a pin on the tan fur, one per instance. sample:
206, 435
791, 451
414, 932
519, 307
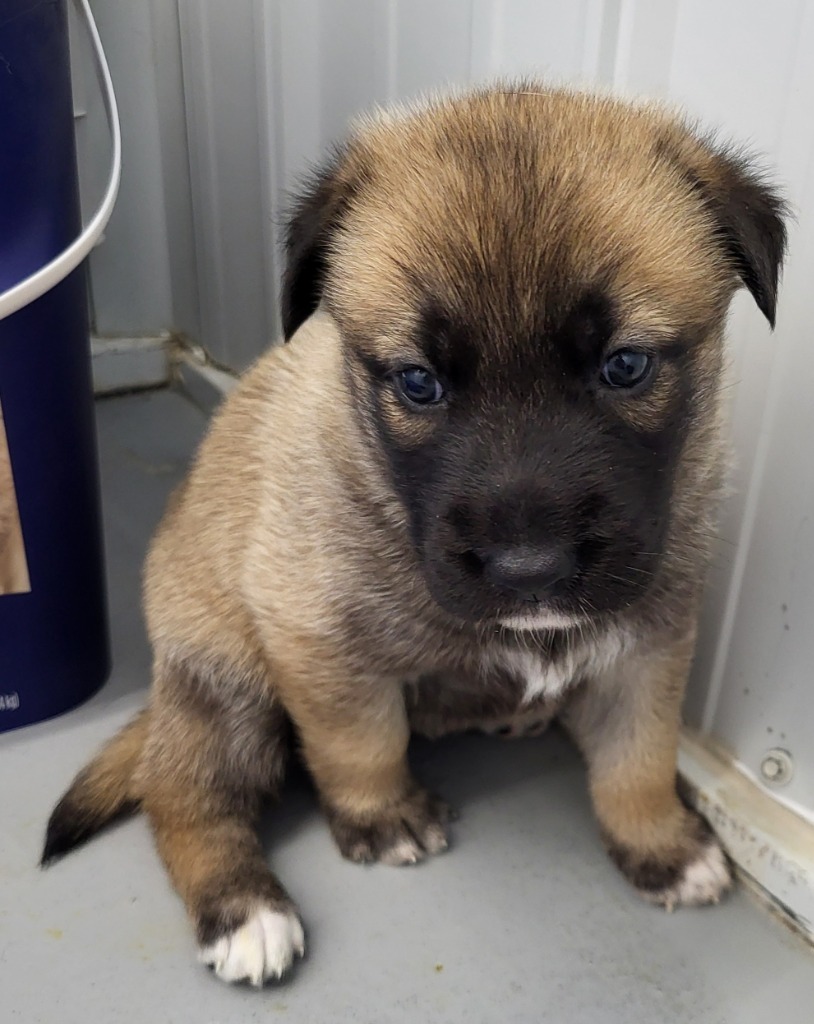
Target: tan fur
13, 566
627, 726
664, 262
282, 586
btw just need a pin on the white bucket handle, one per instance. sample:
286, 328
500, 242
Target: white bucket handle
60, 266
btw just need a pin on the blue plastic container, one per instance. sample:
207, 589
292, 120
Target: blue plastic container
54, 648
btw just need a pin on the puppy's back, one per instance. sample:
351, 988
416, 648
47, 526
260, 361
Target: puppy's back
262, 451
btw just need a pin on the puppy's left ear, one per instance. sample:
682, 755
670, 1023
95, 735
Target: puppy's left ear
750, 217
315, 218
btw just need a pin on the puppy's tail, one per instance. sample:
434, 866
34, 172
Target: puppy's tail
101, 792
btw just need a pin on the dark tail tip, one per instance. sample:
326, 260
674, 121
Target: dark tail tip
70, 826
67, 829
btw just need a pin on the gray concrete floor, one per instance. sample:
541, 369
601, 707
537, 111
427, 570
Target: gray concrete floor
524, 920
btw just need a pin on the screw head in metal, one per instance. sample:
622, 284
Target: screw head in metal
777, 767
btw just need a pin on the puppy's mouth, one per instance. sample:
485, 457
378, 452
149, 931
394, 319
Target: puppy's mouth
538, 617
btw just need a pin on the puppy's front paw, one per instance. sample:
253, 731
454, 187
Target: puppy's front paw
404, 833
262, 947
702, 880
694, 872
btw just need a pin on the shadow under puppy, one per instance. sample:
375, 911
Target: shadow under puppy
477, 487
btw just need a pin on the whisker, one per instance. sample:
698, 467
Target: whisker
644, 572
621, 579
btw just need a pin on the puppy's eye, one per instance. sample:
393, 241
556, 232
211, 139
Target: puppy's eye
419, 386
626, 368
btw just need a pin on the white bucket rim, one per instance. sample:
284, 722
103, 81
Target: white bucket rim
42, 280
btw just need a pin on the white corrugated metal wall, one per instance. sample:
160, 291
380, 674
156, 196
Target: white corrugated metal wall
225, 105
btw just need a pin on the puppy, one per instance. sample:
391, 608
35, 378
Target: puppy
477, 489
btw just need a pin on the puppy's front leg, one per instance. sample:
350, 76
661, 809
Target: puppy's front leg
627, 725
354, 736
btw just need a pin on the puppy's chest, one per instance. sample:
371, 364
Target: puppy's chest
546, 669
505, 684
535, 673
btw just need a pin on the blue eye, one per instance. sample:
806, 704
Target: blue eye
626, 368
419, 386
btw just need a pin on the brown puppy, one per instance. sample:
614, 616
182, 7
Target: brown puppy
477, 488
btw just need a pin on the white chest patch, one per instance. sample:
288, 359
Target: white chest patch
545, 678
541, 679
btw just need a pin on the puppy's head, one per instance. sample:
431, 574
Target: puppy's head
531, 288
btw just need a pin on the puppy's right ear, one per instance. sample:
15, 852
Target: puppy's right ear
315, 218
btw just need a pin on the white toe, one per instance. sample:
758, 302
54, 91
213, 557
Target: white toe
704, 880
403, 851
262, 948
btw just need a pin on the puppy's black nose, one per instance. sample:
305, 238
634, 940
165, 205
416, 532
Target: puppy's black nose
528, 571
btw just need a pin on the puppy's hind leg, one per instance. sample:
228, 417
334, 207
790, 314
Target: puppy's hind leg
213, 750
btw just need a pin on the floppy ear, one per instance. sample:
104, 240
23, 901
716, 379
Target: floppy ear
749, 213
315, 218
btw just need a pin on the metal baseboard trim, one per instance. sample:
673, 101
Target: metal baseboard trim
204, 384
772, 847
130, 364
